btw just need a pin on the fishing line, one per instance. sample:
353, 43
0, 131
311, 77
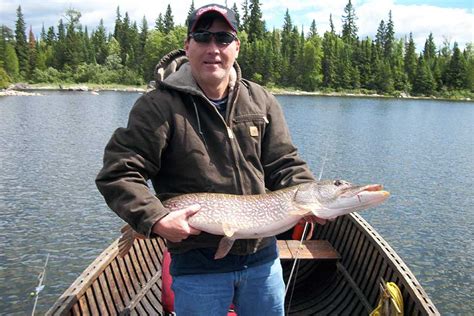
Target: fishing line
296, 261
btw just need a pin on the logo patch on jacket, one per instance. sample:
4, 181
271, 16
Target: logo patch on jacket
253, 131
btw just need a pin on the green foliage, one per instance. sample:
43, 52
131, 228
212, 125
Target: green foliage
10, 62
277, 58
4, 79
21, 45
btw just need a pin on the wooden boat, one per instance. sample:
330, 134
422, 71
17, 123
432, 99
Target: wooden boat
339, 274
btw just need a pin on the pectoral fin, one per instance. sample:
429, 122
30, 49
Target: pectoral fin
228, 229
224, 247
300, 210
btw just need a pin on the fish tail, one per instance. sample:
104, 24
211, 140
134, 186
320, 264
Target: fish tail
126, 241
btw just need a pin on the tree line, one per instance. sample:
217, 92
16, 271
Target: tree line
286, 57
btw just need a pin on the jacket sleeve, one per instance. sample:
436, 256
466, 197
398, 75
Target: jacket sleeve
131, 157
281, 162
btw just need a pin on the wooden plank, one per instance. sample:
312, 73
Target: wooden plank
99, 298
113, 288
76, 310
110, 299
310, 249
91, 302
121, 284
150, 254
83, 306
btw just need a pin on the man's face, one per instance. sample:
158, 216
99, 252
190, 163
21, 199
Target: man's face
211, 62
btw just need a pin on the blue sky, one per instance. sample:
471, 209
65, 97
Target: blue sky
449, 21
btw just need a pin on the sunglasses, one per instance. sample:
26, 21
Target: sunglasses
222, 38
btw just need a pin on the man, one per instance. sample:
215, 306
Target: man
205, 129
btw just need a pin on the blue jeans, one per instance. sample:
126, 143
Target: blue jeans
258, 290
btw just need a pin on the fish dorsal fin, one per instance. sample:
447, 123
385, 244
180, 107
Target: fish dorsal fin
229, 229
225, 245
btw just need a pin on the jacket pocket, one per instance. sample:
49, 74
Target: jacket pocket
249, 131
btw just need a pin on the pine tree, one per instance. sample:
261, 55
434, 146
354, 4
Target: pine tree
424, 82
32, 53
331, 25
190, 11
60, 47
143, 37
237, 15
256, 25
21, 45
469, 57
380, 37
73, 54
245, 16
99, 42
364, 60
389, 40
329, 61
168, 23
118, 24
456, 70
349, 27
159, 24
313, 31
429, 51
410, 61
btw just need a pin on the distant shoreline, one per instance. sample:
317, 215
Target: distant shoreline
23, 89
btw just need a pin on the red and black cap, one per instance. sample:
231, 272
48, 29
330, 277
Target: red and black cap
226, 13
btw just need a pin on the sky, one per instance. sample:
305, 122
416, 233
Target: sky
448, 21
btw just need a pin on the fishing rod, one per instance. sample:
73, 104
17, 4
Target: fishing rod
40, 286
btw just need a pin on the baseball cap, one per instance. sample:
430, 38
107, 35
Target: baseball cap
226, 13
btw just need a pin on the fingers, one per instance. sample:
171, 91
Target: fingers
175, 226
191, 210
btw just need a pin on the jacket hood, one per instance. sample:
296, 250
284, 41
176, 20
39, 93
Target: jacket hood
174, 71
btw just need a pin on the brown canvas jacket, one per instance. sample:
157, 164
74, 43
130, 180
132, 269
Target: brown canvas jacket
177, 139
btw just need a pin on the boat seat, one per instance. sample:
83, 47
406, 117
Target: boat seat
308, 250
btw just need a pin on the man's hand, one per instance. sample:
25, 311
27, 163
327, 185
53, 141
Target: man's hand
175, 227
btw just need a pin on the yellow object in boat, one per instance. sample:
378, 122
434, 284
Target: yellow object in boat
390, 302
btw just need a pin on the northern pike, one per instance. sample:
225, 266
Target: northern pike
264, 215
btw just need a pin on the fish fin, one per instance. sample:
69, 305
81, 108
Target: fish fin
228, 229
225, 245
300, 210
127, 239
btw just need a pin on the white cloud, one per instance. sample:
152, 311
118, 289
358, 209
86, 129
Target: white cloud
453, 24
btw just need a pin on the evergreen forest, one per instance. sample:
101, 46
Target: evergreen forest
288, 58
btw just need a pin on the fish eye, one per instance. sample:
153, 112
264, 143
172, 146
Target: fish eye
338, 183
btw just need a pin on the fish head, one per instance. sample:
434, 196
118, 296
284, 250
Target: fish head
331, 198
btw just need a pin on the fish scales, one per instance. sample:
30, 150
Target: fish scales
263, 215
239, 211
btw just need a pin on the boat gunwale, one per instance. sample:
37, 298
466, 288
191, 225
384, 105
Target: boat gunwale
406, 276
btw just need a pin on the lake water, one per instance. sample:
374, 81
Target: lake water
421, 150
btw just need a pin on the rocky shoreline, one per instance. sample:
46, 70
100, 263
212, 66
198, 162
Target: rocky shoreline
24, 89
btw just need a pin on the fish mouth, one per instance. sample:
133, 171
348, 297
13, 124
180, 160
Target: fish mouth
367, 194
372, 193
366, 188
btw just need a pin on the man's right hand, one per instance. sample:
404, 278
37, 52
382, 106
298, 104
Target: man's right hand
175, 226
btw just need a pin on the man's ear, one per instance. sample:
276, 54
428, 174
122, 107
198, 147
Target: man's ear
186, 45
237, 48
